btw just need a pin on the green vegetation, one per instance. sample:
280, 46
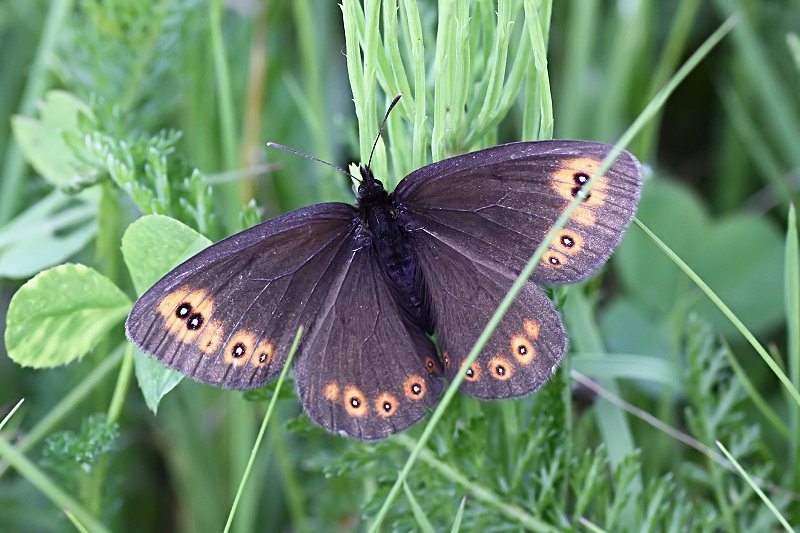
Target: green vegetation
677, 408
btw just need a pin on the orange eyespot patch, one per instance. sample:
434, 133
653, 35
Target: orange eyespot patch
355, 403
331, 391
568, 241
414, 387
262, 355
446, 360
239, 347
500, 368
554, 259
522, 349
473, 373
211, 337
185, 312
531, 329
569, 180
386, 404
430, 365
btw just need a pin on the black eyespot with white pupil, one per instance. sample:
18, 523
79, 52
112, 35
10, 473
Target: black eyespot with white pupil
416, 389
387, 406
355, 402
263, 357
581, 178
554, 260
567, 241
470, 373
500, 370
238, 350
522, 349
183, 310
195, 321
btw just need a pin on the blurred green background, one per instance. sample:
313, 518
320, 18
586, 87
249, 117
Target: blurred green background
165, 107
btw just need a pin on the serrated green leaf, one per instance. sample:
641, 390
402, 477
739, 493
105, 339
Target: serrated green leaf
152, 246
61, 314
42, 141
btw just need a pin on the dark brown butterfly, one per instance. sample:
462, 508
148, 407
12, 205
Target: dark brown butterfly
372, 284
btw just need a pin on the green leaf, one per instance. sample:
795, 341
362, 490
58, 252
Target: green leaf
631, 327
155, 380
152, 246
632, 366
42, 141
644, 270
741, 258
46, 234
61, 314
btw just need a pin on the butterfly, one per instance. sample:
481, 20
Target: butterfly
373, 284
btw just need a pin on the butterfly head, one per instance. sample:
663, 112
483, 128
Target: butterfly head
370, 189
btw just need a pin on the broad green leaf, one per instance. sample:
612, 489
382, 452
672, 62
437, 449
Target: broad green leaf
46, 234
42, 141
152, 246
155, 380
679, 219
629, 366
741, 259
631, 327
61, 314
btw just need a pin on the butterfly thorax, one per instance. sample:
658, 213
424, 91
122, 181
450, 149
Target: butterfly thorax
382, 223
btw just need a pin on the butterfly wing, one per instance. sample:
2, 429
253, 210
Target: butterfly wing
523, 351
228, 315
365, 371
496, 205
476, 220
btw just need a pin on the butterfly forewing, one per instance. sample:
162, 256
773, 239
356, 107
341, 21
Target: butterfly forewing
497, 205
227, 316
523, 351
365, 371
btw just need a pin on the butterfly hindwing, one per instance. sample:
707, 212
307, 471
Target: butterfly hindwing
227, 315
500, 202
365, 371
523, 351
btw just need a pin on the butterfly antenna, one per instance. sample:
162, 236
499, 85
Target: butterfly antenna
318, 160
380, 131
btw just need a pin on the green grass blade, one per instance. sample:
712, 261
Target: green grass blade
423, 523
260, 437
756, 488
459, 516
792, 284
790, 388
11, 413
758, 401
14, 164
66, 406
60, 498
776, 99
